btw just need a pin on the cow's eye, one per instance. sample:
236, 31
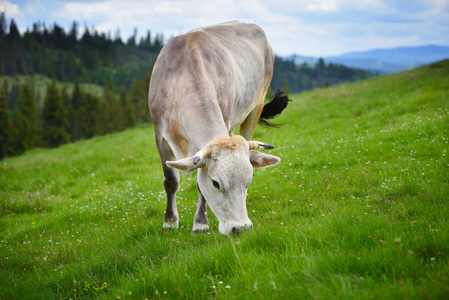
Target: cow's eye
215, 184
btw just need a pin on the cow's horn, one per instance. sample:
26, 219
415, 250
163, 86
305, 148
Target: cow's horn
202, 154
258, 145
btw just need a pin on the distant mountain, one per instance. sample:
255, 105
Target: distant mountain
402, 55
300, 59
372, 65
383, 60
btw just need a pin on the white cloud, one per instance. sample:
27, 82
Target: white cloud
9, 8
85, 11
323, 5
167, 8
35, 7
318, 28
170, 17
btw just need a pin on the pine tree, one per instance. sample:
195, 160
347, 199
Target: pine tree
13, 96
139, 99
25, 122
320, 65
321, 72
109, 107
2, 25
16, 53
158, 42
54, 119
128, 115
14, 34
134, 96
5, 126
132, 39
74, 33
117, 38
74, 112
66, 103
89, 115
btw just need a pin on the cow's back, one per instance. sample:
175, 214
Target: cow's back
213, 75
252, 59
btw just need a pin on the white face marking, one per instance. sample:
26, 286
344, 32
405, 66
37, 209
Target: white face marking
224, 183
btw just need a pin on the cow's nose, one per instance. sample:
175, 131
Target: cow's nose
237, 230
241, 229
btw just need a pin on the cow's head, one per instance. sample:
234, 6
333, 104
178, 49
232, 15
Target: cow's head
225, 171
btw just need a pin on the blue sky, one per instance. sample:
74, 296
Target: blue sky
313, 28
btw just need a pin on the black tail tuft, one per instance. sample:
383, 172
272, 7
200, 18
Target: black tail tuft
274, 108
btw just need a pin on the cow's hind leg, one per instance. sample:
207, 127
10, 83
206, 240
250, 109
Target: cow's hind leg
171, 184
248, 126
200, 222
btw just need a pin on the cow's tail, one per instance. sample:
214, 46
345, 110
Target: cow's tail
273, 109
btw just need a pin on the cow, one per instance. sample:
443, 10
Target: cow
204, 85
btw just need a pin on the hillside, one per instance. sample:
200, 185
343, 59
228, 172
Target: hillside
356, 209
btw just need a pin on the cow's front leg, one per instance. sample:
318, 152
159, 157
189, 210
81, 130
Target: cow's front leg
200, 222
171, 185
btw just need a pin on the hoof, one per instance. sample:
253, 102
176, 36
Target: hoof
170, 225
197, 227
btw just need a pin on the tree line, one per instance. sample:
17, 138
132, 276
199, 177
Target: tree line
98, 58
76, 55
67, 116
298, 78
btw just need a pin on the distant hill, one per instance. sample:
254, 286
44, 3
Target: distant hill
301, 59
384, 60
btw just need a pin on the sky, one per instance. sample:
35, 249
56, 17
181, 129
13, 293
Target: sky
312, 28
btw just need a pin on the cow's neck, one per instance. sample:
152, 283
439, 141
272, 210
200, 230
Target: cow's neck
204, 121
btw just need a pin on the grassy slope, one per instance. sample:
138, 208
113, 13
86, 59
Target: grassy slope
356, 209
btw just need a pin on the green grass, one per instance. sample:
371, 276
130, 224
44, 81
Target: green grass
357, 208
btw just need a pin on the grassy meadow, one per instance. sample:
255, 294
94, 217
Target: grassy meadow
357, 208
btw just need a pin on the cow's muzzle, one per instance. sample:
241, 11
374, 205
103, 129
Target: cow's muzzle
229, 227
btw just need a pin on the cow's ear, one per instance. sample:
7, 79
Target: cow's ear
262, 160
184, 164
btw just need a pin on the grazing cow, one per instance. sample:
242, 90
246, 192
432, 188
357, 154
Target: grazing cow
204, 85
